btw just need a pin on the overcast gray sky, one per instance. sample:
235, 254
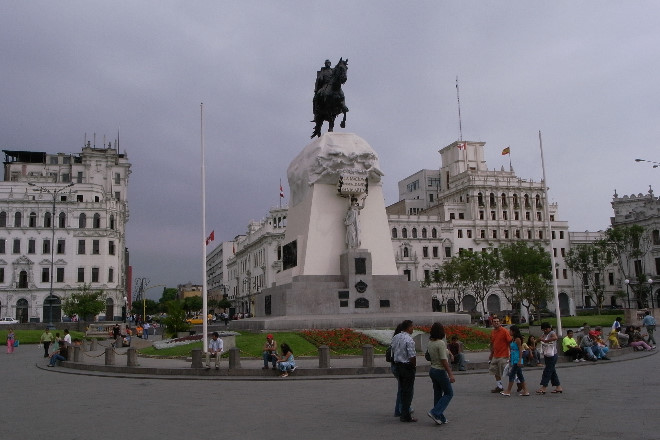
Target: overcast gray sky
584, 73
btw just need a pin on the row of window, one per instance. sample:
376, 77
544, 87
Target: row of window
32, 220
504, 200
60, 276
404, 233
60, 249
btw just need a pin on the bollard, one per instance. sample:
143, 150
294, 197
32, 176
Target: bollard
196, 358
234, 358
109, 356
367, 355
92, 345
119, 342
69, 353
76, 353
131, 357
324, 356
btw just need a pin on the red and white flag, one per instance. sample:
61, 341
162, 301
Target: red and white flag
462, 145
210, 238
281, 191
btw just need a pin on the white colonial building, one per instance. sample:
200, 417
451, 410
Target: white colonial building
62, 225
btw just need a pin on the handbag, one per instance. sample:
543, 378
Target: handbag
427, 356
388, 355
548, 349
16, 342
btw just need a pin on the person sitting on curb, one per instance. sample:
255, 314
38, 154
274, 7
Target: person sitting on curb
215, 348
286, 363
592, 350
531, 354
570, 347
623, 338
59, 354
456, 350
638, 341
270, 352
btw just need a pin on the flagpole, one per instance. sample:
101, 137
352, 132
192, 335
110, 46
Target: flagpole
510, 167
203, 241
280, 194
549, 232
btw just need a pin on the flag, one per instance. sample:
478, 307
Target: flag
210, 238
506, 151
281, 191
462, 146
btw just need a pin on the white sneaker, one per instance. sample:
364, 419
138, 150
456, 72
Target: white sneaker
576, 360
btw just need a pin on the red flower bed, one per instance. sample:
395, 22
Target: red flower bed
468, 335
341, 338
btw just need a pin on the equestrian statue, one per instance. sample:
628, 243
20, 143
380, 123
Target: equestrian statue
328, 96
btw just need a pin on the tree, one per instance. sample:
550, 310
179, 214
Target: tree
85, 303
480, 271
452, 277
589, 261
192, 304
149, 306
527, 274
224, 303
169, 294
175, 321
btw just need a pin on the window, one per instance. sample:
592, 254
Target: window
517, 233
111, 275
452, 216
491, 198
553, 236
554, 251
482, 233
2, 274
66, 177
414, 232
32, 246
563, 252
448, 252
657, 266
561, 235
3, 243
405, 252
17, 220
461, 216
492, 215
469, 233
529, 234
96, 247
564, 273
610, 278
117, 178
528, 215
412, 186
538, 216
60, 246
404, 233
406, 273
481, 215
427, 275
656, 236
45, 274
506, 233
505, 215
112, 222
527, 205
62, 220
435, 251
95, 274
97, 221
494, 234
460, 233
394, 234
423, 232
82, 221
81, 274
81, 247
79, 198
47, 220
111, 247
434, 233
60, 275
17, 246
540, 235
3, 219
425, 251
552, 217
504, 200
117, 195
32, 222
45, 247
516, 215
430, 198
480, 199
79, 178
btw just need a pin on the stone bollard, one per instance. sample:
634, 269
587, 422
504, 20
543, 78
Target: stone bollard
69, 354
109, 356
196, 358
92, 345
76, 353
324, 356
367, 355
131, 357
234, 358
119, 342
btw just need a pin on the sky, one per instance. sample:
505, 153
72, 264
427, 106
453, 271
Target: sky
585, 74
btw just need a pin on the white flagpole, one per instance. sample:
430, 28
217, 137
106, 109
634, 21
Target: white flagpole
203, 241
549, 232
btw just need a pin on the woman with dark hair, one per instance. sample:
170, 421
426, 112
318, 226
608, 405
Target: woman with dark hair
530, 353
286, 363
549, 350
440, 373
515, 363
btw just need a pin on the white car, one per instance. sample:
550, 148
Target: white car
8, 320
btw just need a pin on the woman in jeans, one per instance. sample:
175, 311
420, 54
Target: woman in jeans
440, 374
549, 350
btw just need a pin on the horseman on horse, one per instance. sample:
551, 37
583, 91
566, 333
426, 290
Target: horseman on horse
328, 95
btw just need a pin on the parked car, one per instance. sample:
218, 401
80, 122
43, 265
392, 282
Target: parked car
8, 320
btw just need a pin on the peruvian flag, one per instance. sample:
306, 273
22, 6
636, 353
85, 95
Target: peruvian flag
462, 145
281, 191
210, 238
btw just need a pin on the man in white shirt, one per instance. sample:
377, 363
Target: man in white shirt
145, 330
67, 337
216, 347
403, 352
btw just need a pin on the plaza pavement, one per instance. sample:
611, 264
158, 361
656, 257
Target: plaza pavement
615, 399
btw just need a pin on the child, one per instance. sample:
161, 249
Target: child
516, 362
613, 339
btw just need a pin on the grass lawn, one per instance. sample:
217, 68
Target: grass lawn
34, 336
577, 321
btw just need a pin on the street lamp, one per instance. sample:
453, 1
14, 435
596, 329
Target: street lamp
627, 283
53, 193
640, 299
124, 309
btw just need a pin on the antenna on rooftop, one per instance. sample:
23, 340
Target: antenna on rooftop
460, 125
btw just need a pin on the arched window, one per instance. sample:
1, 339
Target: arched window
480, 199
62, 220
516, 204
527, 201
97, 221
3, 219
504, 204
405, 252
47, 220
423, 232
32, 222
17, 220
22, 310
394, 234
434, 233
82, 220
538, 201
112, 222
492, 200
404, 233
414, 232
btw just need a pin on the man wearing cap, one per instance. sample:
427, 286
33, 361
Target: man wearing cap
216, 347
591, 348
270, 352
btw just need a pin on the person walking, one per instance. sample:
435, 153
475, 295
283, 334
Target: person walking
516, 363
499, 353
549, 349
46, 338
405, 358
440, 373
10, 341
649, 323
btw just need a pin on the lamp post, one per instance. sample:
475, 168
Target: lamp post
627, 283
124, 310
53, 193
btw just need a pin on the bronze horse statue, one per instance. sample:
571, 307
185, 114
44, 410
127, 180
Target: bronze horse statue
329, 97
